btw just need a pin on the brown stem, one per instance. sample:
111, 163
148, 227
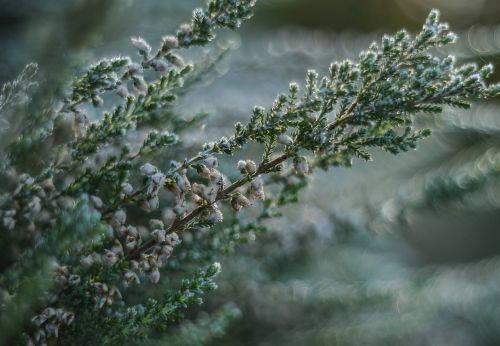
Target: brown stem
223, 194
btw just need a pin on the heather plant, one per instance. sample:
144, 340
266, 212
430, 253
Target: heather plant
116, 229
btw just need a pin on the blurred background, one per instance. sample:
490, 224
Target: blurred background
400, 251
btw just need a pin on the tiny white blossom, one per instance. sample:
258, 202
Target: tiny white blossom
285, 139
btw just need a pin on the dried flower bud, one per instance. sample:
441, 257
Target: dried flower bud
216, 215
139, 84
131, 242
241, 166
96, 201
211, 162
257, 188
172, 239
160, 65
67, 318
120, 216
250, 166
156, 224
130, 278
154, 276
182, 182
135, 68
179, 210
148, 169
74, 279
158, 235
153, 203
127, 189
285, 139
122, 90
87, 261
110, 258
141, 45
204, 171
169, 42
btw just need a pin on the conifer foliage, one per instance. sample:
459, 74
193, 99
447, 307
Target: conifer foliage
92, 238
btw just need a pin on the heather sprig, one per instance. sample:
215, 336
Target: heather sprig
337, 118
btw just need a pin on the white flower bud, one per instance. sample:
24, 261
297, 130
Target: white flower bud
285, 139
179, 210
172, 239
216, 215
169, 42
242, 200
154, 276
87, 261
182, 182
156, 224
158, 235
211, 162
110, 258
166, 251
74, 279
9, 222
96, 201
158, 178
131, 242
241, 166
160, 65
250, 166
154, 202
210, 193
141, 45
130, 278
120, 216
257, 189
135, 68
177, 60
127, 189
122, 90
148, 169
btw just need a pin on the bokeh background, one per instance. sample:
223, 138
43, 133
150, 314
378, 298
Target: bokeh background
400, 251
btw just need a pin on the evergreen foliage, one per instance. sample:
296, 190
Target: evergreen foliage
106, 243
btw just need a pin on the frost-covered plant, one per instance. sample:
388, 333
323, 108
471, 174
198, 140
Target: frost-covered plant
91, 228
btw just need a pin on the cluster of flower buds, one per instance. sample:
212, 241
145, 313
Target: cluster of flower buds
104, 295
155, 183
48, 323
247, 166
63, 277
